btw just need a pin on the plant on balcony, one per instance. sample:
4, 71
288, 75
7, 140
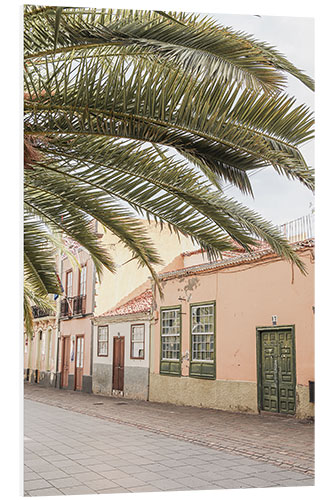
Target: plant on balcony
145, 113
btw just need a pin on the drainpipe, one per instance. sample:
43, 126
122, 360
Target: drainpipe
149, 360
93, 312
151, 318
58, 324
92, 324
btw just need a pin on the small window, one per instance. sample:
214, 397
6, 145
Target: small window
69, 283
137, 341
102, 341
83, 280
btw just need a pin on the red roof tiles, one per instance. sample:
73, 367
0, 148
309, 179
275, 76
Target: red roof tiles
140, 304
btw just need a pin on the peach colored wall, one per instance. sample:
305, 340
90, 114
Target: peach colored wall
245, 299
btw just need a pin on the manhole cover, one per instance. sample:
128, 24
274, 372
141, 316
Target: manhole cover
121, 403
98, 403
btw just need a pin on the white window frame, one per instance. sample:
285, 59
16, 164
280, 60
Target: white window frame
194, 309
104, 341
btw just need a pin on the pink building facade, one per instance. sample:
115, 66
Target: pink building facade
237, 334
76, 311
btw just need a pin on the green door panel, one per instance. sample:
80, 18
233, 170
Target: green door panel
276, 370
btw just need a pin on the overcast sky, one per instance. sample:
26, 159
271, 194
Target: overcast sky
277, 198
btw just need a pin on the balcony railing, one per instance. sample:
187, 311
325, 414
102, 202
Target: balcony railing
41, 313
73, 306
299, 229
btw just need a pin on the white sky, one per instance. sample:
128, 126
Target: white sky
277, 198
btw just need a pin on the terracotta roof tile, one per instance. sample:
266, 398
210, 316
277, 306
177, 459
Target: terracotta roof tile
141, 303
264, 250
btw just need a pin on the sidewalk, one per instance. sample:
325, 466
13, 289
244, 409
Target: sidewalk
282, 441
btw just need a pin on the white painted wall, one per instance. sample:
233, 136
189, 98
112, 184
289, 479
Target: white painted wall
124, 330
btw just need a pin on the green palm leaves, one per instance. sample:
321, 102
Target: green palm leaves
135, 112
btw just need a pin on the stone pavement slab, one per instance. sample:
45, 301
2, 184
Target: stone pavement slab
65, 476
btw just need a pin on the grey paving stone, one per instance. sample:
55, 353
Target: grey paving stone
77, 490
173, 473
231, 484
294, 482
73, 469
141, 489
166, 484
39, 466
173, 463
113, 474
256, 482
35, 484
212, 476
46, 492
114, 490
192, 482
87, 461
65, 482
129, 482
83, 477
208, 487
101, 484
148, 476
31, 475
100, 467
53, 474
156, 467
189, 469
132, 469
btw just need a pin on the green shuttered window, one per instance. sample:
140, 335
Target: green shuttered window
203, 340
170, 341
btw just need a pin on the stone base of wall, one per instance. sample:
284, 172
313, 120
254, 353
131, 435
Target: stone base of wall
46, 379
135, 381
304, 409
219, 394
228, 395
87, 383
102, 379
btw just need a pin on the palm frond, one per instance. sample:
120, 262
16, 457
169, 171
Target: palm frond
149, 182
195, 45
227, 131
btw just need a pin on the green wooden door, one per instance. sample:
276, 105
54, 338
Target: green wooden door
276, 370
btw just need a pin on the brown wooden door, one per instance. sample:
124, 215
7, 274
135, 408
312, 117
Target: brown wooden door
118, 363
66, 347
79, 363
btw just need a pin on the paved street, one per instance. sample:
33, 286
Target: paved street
78, 443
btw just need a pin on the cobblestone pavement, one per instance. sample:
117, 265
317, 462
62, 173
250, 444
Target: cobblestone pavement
69, 453
283, 441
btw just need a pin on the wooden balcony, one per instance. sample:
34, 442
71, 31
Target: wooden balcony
73, 306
